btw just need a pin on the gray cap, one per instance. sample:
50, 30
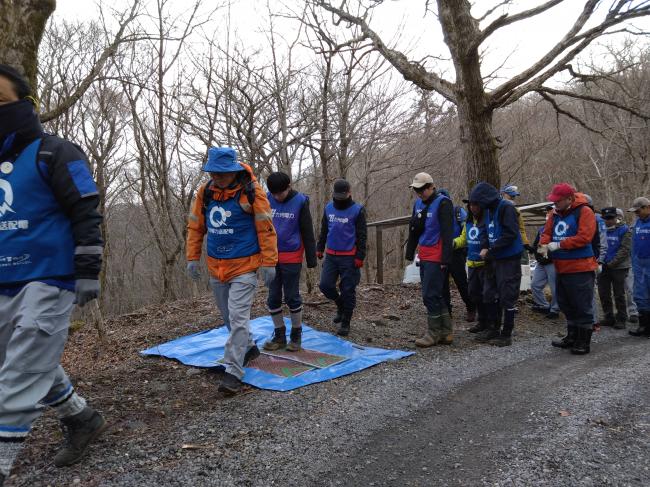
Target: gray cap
619, 213
639, 202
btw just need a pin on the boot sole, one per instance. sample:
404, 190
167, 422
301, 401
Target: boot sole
94, 436
272, 349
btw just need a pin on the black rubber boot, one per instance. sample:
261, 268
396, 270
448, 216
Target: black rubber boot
643, 330
482, 322
279, 340
339, 310
344, 328
79, 431
230, 384
582, 344
568, 340
608, 320
504, 339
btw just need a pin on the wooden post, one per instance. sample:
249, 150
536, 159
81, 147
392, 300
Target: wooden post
380, 255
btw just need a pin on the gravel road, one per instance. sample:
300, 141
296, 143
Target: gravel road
472, 415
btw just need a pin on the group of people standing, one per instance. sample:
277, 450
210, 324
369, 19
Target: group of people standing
574, 249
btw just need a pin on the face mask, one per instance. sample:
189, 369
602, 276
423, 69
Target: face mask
14, 117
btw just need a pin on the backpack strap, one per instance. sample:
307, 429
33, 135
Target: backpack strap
208, 194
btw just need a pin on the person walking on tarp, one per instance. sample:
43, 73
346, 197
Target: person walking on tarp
641, 264
431, 231
481, 286
233, 210
567, 238
51, 257
295, 230
342, 240
615, 268
504, 253
457, 269
543, 274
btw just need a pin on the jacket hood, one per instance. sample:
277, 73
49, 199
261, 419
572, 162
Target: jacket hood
484, 194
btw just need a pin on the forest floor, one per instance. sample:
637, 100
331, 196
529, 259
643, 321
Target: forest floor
170, 426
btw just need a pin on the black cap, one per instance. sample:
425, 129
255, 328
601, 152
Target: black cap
341, 189
21, 85
609, 212
277, 182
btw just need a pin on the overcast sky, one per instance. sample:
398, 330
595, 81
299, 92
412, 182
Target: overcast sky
518, 45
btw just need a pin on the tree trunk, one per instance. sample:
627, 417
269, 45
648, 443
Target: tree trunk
23, 23
474, 115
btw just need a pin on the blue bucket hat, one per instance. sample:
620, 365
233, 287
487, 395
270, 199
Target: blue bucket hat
510, 190
222, 159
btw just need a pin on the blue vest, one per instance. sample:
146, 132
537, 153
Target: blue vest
567, 226
286, 220
641, 239
460, 217
614, 239
231, 231
473, 234
341, 227
36, 240
431, 234
493, 220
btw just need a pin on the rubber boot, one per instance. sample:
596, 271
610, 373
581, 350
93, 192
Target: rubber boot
494, 324
470, 316
230, 384
295, 338
505, 336
446, 336
582, 344
279, 340
338, 317
79, 431
620, 322
644, 325
344, 328
608, 320
566, 341
431, 335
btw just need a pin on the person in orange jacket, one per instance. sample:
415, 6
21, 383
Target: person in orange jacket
567, 237
232, 208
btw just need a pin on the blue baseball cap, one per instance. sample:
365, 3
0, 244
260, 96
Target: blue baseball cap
222, 159
510, 190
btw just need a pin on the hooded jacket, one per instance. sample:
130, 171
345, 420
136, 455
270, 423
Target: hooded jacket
584, 236
488, 198
623, 257
226, 269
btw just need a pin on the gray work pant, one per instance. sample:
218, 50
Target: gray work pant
234, 299
543, 275
629, 294
33, 331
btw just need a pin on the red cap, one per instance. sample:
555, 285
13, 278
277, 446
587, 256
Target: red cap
561, 191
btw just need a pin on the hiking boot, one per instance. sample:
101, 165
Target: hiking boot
339, 310
566, 341
295, 340
502, 340
620, 324
79, 431
470, 316
488, 334
478, 327
634, 319
230, 384
552, 315
608, 321
446, 334
279, 340
641, 331
582, 344
344, 327
251, 354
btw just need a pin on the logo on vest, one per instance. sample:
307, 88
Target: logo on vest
282, 214
8, 199
560, 229
216, 223
13, 260
338, 219
473, 233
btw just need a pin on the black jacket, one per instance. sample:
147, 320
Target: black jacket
361, 229
446, 222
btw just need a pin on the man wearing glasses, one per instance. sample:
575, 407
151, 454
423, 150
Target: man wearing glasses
431, 230
641, 264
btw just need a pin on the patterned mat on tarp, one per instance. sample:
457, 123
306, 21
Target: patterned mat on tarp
325, 357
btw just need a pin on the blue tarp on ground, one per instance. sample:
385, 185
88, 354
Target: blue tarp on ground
206, 348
